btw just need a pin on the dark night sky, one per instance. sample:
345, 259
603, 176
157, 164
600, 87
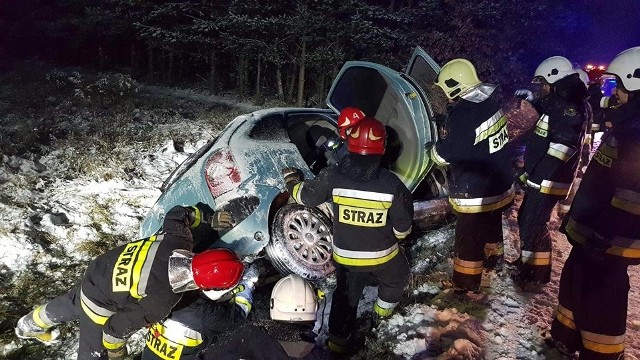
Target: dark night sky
608, 27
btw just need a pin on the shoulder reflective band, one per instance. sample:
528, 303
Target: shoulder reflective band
96, 313
491, 126
131, 271
560, 151
484, 204
536, 257
364, 258
366, 199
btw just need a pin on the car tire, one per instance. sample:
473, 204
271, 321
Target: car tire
301, 242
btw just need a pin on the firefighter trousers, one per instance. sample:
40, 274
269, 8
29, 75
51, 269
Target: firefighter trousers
535, 240
66, 308
592, 306
393, 277
478, 239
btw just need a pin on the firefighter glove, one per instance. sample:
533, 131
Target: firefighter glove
291, 175
524, 94
222, 220
200, 213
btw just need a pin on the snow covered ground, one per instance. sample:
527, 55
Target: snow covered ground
54, 218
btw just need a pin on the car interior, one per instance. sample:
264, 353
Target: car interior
309, 132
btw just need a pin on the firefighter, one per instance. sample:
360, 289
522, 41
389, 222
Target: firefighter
603, 225
475, 149
550, 162
200, 319
137, 284
373, 211
332, 147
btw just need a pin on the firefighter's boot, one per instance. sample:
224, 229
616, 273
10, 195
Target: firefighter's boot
32, 326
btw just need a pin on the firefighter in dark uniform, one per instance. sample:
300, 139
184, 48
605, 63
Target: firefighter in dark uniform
475, 148
373, 210
200, 319
603, 225
550, 162
137, 284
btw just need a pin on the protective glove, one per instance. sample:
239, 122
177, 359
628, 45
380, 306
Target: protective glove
200, 213
222, 220
524, 94
291, 176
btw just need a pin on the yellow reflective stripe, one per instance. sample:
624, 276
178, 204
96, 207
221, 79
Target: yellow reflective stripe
384, 308
140, 260
36, 317
364, 254
96, 313
466, 205
467, 267
402, 234
437, 159
493, 249
178, 333
364, 261
536, 257
297, 189
340, 198
242, 301
626, 200
111, 342
577, 231
560, 151
624, 252
490, 127
198, 217
604, 344
565, 316
554, 187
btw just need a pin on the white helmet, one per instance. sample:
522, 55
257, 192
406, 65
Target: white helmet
293, 300
554, 69
583, 76
626, 66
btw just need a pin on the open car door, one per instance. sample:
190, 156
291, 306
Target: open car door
396, 100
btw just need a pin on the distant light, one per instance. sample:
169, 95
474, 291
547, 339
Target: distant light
601, 67
589, 67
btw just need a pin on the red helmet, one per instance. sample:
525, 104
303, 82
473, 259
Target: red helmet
348, 117
367, 137
218, 269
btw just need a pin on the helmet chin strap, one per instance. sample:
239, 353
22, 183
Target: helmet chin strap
180, 274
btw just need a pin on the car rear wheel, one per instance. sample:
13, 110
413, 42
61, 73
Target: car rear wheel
301, 242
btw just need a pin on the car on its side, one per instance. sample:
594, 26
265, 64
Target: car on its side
240, 170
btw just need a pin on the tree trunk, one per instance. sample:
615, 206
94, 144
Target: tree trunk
279, 81
292, 85
170, 69
133, 59
258, 94
212, 73
301, 72
100, 56
243, 68
150, 60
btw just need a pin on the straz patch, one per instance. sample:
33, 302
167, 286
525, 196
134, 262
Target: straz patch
123, 271
497, 141
362, 217
542, 126
570, 112
603, 159
161, 346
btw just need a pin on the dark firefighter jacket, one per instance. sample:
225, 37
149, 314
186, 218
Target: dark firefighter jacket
605, 214
127, 288
372, 209
475, 147
553, 148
